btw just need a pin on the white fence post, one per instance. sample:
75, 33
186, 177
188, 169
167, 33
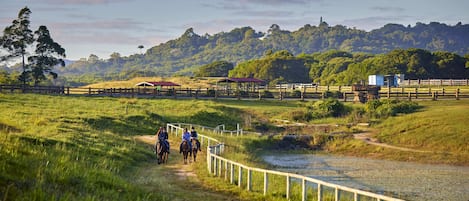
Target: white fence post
303, 189
266, 183
337, 194
220, 167
226, 170
209, 160
249, 180
288, 187
232, 173
319, 192
240, 175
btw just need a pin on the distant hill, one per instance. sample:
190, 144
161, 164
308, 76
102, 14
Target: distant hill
183, 55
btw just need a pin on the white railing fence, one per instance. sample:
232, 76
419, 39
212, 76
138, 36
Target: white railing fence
222, 167
177, 129
219, 130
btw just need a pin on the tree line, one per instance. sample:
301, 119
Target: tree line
335, 67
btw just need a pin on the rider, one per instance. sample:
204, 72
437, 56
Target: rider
186, 136
163, 137
194, 137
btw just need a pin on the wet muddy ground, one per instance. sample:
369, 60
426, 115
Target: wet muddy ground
410, 181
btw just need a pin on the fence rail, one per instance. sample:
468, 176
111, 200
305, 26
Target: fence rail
222, 167
343, 93
436, 82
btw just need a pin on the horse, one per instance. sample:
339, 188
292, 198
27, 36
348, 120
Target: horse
162, 152
195, 148
185, 150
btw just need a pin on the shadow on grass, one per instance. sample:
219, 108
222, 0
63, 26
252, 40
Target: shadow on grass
43, 141
9, 129
128, 125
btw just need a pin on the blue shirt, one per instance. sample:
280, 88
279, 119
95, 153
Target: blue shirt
186, 136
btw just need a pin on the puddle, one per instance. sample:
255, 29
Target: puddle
410, 181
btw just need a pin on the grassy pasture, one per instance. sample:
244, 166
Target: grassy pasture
84, 148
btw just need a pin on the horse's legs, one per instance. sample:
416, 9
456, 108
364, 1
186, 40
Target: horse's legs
195, 155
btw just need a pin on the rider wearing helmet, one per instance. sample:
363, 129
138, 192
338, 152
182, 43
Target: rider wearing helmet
194, 137
186, 136
163, 137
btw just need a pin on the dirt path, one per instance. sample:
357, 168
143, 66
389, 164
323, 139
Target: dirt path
367, 138
176, 180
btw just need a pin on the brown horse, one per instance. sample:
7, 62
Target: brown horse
162, 152
185, 150
195, 148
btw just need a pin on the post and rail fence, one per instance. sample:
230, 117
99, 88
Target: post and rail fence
343, 93
241, 175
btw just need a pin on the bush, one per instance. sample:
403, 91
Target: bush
328, 108
386, 108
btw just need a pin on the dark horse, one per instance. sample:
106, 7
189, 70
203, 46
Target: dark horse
195, 148
162, 152
185, 150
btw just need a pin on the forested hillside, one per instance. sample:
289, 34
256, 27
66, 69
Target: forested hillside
345, 68
187, 53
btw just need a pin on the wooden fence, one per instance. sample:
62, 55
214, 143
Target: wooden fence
343, 93
222, 167
435, 82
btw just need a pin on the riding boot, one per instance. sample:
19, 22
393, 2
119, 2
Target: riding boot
198, 145
180, 148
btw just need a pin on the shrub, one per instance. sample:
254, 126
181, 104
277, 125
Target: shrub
333, 94
328, 108
386, 108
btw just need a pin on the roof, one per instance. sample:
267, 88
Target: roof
231, 79
163, 84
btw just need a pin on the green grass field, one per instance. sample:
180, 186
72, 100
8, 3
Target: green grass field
84, 148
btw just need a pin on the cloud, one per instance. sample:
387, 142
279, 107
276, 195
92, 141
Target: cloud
121, 24
388, 9
265, 13
247, 4
278, 2
83, 2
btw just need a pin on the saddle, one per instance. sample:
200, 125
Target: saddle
162, 146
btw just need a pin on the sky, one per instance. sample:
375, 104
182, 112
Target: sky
101, 27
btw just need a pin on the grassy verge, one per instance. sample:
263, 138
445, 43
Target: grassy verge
438, 133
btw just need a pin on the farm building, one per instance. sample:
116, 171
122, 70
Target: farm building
158, 85
385, 80
242, 84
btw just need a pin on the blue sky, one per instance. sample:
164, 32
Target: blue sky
101, 27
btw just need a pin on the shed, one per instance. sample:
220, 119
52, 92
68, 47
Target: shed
157, 84
245, 84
